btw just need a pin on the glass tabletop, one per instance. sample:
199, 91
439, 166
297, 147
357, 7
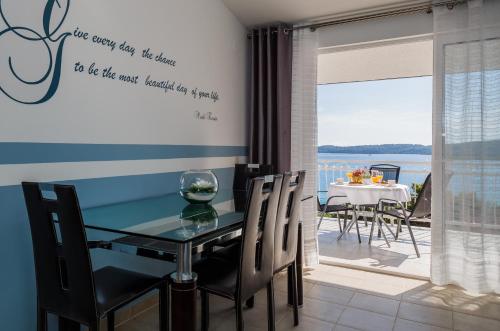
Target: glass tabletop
168, 217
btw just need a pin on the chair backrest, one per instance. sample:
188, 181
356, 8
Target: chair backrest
257, 248
287, 220
391, 172
64, 276
423, 204
243, 173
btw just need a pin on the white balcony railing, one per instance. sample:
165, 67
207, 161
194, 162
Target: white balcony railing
464, 206
411, 171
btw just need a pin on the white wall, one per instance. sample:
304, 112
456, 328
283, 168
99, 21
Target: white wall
206, 41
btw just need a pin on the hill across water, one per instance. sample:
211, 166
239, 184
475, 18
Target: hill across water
378, 149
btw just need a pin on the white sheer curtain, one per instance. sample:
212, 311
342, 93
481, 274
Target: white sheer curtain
304, 131
466, 138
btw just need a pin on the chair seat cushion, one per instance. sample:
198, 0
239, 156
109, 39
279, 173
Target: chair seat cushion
398, 213
116, 287
231, 253
335, 208
217, 275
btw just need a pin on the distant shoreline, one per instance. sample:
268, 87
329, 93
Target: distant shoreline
377, 149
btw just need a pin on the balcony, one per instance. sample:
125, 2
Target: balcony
398, 259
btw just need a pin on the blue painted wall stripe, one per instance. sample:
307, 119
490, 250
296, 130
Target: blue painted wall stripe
19, 152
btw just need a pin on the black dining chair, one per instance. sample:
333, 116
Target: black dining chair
240, 281
66, 284
243, 173
287, 229
422, 209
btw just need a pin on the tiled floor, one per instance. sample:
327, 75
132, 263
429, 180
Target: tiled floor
343, 299
400, 258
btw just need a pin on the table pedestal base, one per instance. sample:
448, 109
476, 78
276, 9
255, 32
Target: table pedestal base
183, 309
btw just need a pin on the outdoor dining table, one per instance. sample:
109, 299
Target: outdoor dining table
170, 219
367, 194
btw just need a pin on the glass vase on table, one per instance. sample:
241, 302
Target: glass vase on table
199, 186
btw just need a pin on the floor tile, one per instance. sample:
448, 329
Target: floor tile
405, 325
331, 294
375, 303
305, 324
322, 310
365, 320
484, 306
257, 316
432, 295
229, 324
344, 328
425, 314
147, 321
281, 284
465, 322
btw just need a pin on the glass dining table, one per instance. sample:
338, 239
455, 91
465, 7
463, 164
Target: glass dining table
169, 220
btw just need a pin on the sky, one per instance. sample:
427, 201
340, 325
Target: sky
392, 111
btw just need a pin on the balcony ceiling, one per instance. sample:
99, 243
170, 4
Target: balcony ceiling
256, 12
374, 62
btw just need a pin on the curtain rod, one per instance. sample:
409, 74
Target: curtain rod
450, 4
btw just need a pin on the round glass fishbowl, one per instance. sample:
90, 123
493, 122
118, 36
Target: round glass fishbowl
199, 186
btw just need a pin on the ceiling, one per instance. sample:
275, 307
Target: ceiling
256, 12
383, 61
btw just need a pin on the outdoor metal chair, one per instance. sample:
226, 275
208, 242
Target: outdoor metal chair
422, 209
333, 208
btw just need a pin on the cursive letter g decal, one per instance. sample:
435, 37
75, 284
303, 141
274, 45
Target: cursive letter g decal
48, 40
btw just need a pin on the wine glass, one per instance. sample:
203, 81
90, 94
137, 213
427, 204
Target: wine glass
380, 177
349, 176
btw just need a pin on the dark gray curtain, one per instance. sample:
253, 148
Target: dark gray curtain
271, 96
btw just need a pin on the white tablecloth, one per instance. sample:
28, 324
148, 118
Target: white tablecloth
368, 194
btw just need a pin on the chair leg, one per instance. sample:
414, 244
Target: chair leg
239, 315
387, 227
364, 217
412, 237
398, 228
355, 216
205, 311
95, 326
111, 320
270, 305
250, 302
164, 308
69, 325
41, 319
357, 229
371, 230
379, 234
345, 218
321, 217
381, 230
295, 295
338, 221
